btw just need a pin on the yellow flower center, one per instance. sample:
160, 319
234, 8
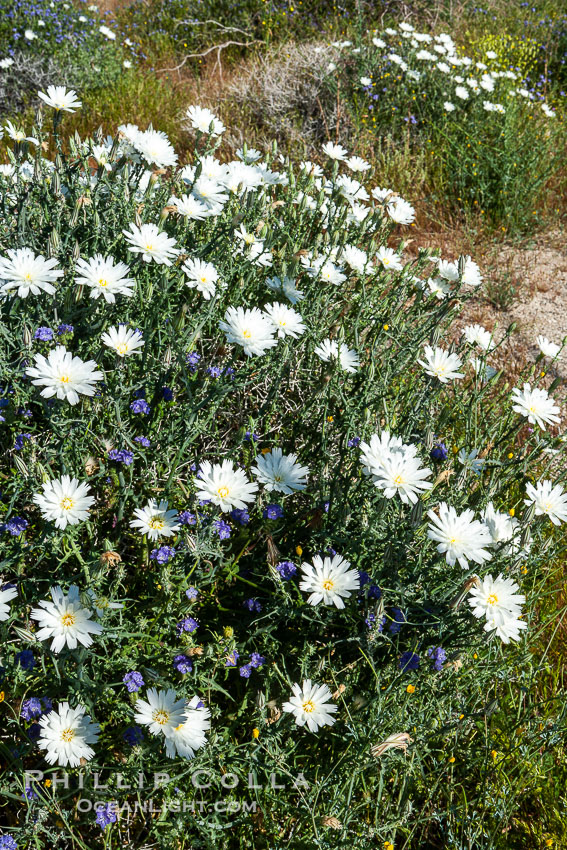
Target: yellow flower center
102, 281
398, 480
308, 706
156, 523
223, 492
122, 347
160, 716
28, 276
492, 599
68, 620
149, 246
67, 503
67, 735
246, 334
328, 584
64, 379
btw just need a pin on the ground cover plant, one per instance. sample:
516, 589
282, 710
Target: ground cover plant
279, 559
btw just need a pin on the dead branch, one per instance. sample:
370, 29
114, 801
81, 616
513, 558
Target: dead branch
218, 47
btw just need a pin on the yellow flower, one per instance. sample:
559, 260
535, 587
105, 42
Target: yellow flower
494, 754
330, 418
298, 550
512, 511
410, 689
47, 783
255, 733
510, 455
386, 327
452, 760
228, 631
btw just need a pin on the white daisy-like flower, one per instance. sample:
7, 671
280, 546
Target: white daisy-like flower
204, 120
365, 81
389, 259
549, 500
64, 375
503, 528
547, 348
508, 627
400, 211
155, 148
287, 286
210, 192
441, 364
6, 596
24, 271
477, 335
380, 194
123, 340
336, 152
329, 580
64, 501
155, 520
151, 243
17, 134
460, 537
401, 474
347, 357
190, 207
311, 706
161, 712
537, 405
448, 106
448, 270
64, 619
251, 329
355, 257
462, 93
381, 446
438, 287
280, 472
356, 163
224, 485
202, 276
471, 273
497, 600
104, 277
190, 735
287, 322
58, 98
66, 734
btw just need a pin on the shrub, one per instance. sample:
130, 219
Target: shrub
262, 387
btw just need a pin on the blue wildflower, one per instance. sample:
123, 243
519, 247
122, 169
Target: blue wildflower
222, 528
106, 814
133, 736
140, 406
438, 657
189, 624
273, 512
26, 659
409, 661
44, 334
245, 671
286, 569
15, 526
191, 593
133, 681
240, 515
183, 664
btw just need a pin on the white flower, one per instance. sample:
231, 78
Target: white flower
123, 340
329, 581
329, 272
251, 329
448, 106
204, 120
536, 404
155, 520
190, 207
365, 81
64, 501
60, 99
462, 92
19, 135
189, 736
400, 211
336, 152
201, 276
503, 528
331, 350
356, 164
377, 42
477, 335
280, 472
311, 705
106, 31
355, 258
459, 536
151, 243
104, 277
252, 248
549, 499
470, 460
287, 322
471, 273
441, 364
449, 271
389, 258
482, 368
161, 713
210, 192
26, 272
64, 375
401, 473
287, 286
380, 447
155, 148
6, 596
224, 486
66, 734
496, 600
548, 348
438, 287
380, 194
65, 620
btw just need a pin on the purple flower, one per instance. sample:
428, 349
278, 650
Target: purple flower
214, 371
232, 658
256, 660
398, 620
29, 793
64, 329
183, 664
240, 515
133, 681
189, 624
273, 512
374, 592
245, 671
167, 393
251, 437
191, 593
438, 656
44, 334
105, 814
353, 442
19, 442
33, 732
222, 528
26, 659
409, 661
192, 361
7, 843
31, 709
143, 441
133, 735
439, 452
252, 605
163, 554
186, 518
15, 526
140, 406
286, 569
121, 456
